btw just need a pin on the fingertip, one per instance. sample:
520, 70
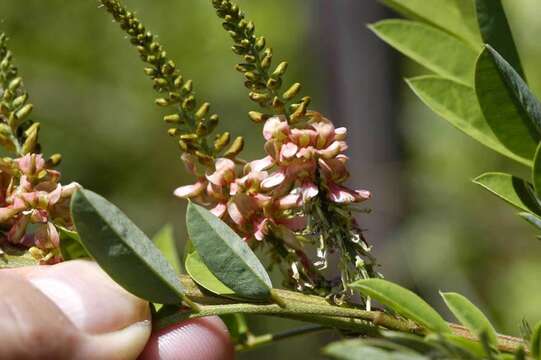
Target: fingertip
196, 339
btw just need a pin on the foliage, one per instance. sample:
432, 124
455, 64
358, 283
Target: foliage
291, 199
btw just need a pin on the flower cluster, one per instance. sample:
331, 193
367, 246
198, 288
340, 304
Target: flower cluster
33, 203
270, 194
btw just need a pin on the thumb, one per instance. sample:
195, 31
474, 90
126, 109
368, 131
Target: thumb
110, 322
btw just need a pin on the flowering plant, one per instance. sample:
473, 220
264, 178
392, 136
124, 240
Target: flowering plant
293, 203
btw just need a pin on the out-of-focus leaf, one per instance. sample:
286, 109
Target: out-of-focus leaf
435, 49
226, 255
70, 245
164, 240
355, 349
535, 342
201, 274
414, 342
532, 219
470, 316
495, 31
454, 16
123, 250
402, 301
536, 172
509, 107
458, 104
515, 191
237, 326
12, 257
468, 348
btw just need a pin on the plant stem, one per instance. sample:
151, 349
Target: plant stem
313, 309
260, 340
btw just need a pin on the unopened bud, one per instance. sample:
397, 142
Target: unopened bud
257, 117
187, 87
202, 111
161, 102
24, 112
172, 119
222, 141
292, 91
235, 148
280, 69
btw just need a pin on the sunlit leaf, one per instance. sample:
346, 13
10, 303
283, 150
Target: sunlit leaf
509, 107
164, 240
458, 104
70, 245
402, 301
535, 342
514, 190
470, 316
355, 349
495, 31
454, 16
123, 250
200, 273
435, 49
226, 255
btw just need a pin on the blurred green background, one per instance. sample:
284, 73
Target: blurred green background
431, 227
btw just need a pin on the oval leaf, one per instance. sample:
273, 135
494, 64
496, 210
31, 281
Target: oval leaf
402, 301
226, 254
515, 191
454, 16
457, 103
164, 240
201, 274
70, 245
435, 49
535, 342
355, 349
495, 31
470, 316
509, 107
123, 251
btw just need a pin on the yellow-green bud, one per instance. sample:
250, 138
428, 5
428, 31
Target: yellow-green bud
202, 111
274, 83
292, 91
257, 117
266, 61
161, 102
178, 81
189, 103
20, 100
187, 87
173, 131
172, 119
212, 122
15, 83
260, 43
221, 141
280, 69
24, 112
235, 148
54, 160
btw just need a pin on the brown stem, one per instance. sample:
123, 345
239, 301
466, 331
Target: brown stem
313, 309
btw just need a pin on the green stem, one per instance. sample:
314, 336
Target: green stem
256, 341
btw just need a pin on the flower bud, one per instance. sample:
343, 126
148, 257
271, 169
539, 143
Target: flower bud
202, 111
292, 91
235, 148
222, 141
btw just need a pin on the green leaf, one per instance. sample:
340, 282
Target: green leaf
12, 257
515, 191
237, 327
454, 16
355, 349
473, 349
201, 274
531, 218
458, 104
123, 251
536, 172
535, 342
164, 240
70, 245
227, 256
470, 316
509, 107
402, 301
435, 49
495, 31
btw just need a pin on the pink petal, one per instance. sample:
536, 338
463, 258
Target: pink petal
275, 128
289, 201
340, 133
343, 195
234, 213
273, 180
331, 151
260, 228
309, 190
54, 196
262, 164
189, 191
54, 238
288, 150
25, 164
69, 189
219, 209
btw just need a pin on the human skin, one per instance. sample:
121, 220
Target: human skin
73, 310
